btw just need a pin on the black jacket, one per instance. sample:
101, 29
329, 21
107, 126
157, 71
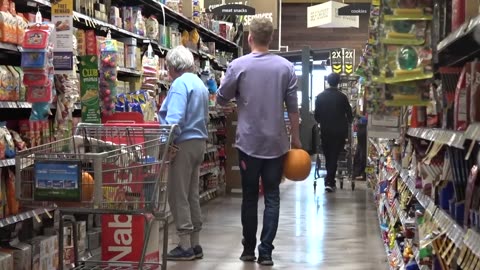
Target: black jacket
333, 112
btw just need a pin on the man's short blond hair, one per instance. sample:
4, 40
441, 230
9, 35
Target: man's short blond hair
261, 30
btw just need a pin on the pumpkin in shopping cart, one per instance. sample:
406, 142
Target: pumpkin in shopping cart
87, 186
297, 165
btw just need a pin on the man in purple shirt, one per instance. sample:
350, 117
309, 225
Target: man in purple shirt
263, 85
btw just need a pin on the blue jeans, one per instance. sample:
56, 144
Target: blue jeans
271, 171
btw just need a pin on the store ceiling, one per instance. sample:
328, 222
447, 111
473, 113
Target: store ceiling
314, 2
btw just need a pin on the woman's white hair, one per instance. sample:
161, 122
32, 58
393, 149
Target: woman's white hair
180, 59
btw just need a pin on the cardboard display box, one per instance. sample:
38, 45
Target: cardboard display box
232, 169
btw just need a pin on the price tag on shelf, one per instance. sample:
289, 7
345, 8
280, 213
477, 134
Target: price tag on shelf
457, 235
23, 216
431, 209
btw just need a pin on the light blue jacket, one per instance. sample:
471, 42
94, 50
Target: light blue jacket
186, 105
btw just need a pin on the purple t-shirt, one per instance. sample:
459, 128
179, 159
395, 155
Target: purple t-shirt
263, 85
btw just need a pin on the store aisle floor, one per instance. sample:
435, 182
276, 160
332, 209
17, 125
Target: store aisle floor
336, 231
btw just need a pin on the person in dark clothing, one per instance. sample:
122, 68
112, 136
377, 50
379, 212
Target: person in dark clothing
334, 114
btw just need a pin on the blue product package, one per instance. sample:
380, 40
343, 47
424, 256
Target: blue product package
34, 59
446, 194
459, 212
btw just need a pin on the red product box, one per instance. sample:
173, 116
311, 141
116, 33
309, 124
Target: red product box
91, 42
458, 14
223, 30
123, 236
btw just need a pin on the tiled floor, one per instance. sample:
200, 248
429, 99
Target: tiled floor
324, 231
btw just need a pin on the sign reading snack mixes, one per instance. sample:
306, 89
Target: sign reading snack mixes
89, 89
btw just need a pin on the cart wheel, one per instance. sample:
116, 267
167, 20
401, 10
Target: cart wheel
353, 185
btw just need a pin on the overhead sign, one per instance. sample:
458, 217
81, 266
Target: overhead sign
326, 16
263, 8
342, 60
357, 9
233, 9
348, 61
336, 60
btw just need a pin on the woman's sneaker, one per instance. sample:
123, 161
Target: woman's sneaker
180, 254
198, 252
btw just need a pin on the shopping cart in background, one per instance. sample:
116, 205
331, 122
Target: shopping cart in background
345, 161
116, 170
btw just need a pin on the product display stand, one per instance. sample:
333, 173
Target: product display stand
423, 164
99, 59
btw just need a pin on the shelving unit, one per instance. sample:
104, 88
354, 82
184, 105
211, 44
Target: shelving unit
212, 176
425, 158
460, 45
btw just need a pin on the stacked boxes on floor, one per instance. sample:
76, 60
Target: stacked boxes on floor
232, 171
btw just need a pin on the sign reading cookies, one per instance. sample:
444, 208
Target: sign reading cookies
89, 90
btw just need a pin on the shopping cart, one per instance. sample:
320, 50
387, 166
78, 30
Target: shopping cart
129, 166
345, 162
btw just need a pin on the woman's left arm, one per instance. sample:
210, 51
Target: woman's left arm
175, 105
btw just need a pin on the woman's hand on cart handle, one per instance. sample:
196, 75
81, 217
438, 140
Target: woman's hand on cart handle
172, 152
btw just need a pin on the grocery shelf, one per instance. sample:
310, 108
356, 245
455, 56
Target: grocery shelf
473, 132
448, 137
186, 22
128, 71
35, 213
10, 47
7, 162
211, 149
209, 194
204, 172
27, 105
89, 21
157, 7
472, 241
460, 46
452, 229
384, 134
397, 252
116, 31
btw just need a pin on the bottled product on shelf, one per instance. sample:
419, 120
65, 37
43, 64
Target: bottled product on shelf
122, 44
424, 177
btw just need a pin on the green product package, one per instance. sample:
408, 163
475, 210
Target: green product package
89, 89
404, 63
416, 93
406, 32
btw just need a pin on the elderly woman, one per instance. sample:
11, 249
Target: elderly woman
186, 105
